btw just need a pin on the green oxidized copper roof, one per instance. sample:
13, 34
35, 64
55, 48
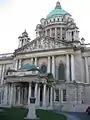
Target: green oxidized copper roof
29, 67
56, 12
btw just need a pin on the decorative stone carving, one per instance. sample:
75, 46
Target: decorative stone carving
41, 43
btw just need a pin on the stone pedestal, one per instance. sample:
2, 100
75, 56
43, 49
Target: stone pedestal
32, 112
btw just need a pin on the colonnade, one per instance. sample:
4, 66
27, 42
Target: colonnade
56, 33
13, 95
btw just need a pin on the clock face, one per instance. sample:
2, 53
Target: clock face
43, 68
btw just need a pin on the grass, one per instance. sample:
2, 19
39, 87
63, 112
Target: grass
49, 115
19, 114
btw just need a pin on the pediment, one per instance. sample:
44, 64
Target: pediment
42, 43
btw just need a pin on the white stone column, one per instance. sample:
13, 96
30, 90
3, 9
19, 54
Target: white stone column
70, 37
72, 68
59, 95
46, 33
75, 35
31, 60
14, 95
55, 32
54, 95
16, 64
67, 36
20, 63
35, 61
11, 94
2, 78
38, 95
62, 96
67, 68
47, 96
53, 66
44, 95
51, 96
61, 33
6, 94
36, 85
86, 69
48, 69
29, 93
25, 92
50, 32
18, 95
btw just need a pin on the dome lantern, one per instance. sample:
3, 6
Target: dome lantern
57, 11
58, 5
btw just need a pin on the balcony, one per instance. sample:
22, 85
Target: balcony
6, 56
21, 73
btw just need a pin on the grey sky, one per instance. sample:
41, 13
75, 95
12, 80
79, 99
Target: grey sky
18, 15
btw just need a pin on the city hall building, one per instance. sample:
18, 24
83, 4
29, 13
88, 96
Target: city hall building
53, 68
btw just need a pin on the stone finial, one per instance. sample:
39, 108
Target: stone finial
25, 33
82, 40
58, 5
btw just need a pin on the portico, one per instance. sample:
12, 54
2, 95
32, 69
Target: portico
19, 90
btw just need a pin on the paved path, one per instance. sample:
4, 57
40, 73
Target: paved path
75, 108
79, 115
75, 115
69, 115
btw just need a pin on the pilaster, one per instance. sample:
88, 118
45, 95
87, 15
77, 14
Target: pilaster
72, 67
86, 69
61, 33
48, 69
53, 66
36, 85
51, 96
67, 68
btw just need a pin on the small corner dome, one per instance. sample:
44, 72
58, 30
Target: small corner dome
58, 11
25, 33
29, 67
39, 26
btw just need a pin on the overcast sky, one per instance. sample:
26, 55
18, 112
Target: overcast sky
18, 15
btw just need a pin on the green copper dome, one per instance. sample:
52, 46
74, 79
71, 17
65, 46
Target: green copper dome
29, 67
57, 11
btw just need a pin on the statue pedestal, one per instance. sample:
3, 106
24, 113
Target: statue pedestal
32, 112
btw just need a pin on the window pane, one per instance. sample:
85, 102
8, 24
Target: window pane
64, 95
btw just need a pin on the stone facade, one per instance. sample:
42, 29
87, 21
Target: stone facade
58, 65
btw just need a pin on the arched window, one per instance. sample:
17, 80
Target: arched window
43, 68
61, 71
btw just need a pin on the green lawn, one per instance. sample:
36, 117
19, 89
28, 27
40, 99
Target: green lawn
19, 114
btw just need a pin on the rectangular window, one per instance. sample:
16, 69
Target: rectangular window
64, 95
57, 95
